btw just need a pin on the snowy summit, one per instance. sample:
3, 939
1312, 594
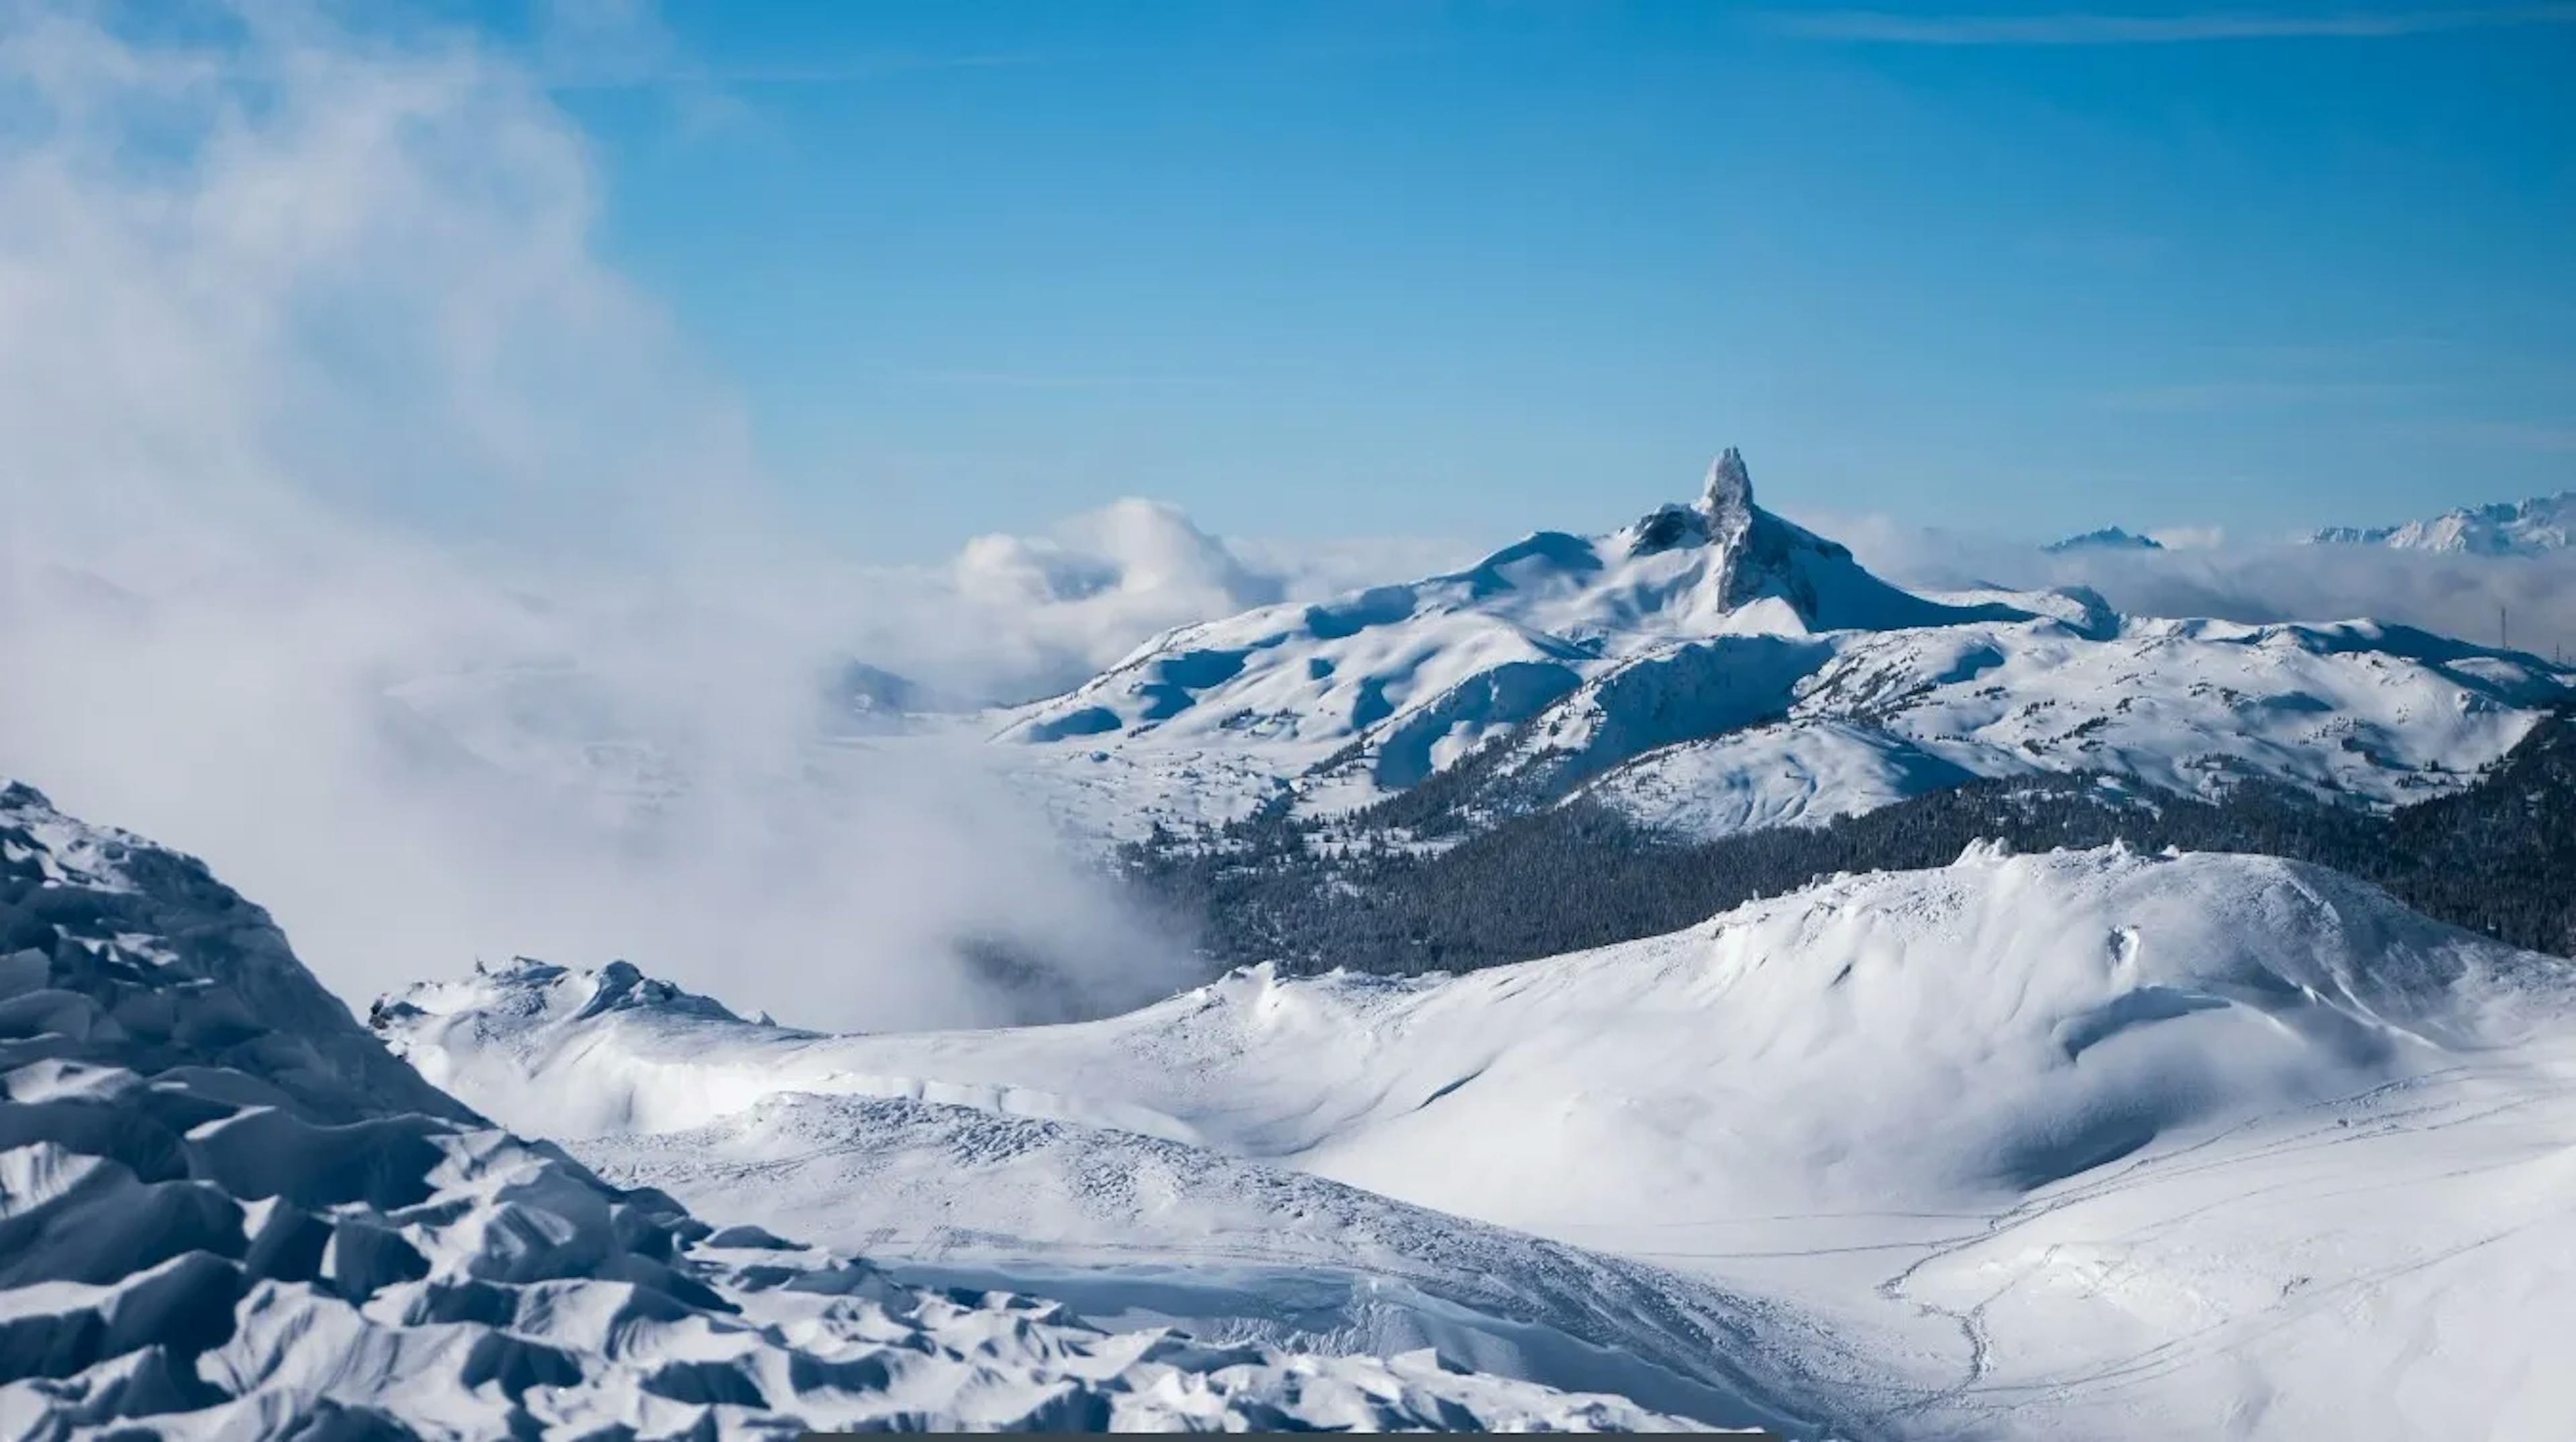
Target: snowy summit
1713, 668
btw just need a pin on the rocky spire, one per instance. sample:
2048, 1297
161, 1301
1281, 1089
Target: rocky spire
1727, 498
1723, 516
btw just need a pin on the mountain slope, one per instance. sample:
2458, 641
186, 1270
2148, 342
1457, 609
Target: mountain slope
226, 1211
2089, 1143
2489, 857
1137, 1230
1713, 668
938, 1180
2352, 711
2532, 527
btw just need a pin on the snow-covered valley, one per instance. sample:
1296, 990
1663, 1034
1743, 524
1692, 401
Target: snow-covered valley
2080, 1144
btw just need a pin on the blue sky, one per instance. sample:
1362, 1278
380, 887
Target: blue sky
1427, 266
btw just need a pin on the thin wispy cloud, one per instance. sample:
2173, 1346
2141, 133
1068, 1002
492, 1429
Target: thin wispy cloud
2086, 28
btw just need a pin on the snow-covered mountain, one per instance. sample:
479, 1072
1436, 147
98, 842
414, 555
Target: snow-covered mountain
226, 1211
2534, 527
1713, 667
2085, 1144
2109, 538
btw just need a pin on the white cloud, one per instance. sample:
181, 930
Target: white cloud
2202, 573
1013, 617
2189, 538
370, 536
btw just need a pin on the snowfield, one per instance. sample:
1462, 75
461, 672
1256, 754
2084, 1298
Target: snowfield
2085, 1144
227, 1212
1672, 667
1137, 1231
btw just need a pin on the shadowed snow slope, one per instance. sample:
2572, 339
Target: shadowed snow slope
1642, 657
226, 1211
2088, 1143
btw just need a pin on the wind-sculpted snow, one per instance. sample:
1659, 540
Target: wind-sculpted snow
226, 1211
1642, 660
2082, 1144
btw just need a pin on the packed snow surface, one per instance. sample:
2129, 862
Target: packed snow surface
226, 1211
2085, 1144
1641, 660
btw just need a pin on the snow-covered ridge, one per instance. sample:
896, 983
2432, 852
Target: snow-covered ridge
226, 1211
611, 1050
1674, 659
2066, 985
2088, 1143
2533, 527
1531, 620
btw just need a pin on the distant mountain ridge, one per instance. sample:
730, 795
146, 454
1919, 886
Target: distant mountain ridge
2109, 538
1712, 668
2538, 526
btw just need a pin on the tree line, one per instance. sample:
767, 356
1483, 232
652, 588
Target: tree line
2498, 857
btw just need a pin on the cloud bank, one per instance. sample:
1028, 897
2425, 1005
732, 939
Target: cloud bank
369, 535
2202, 572
1016, 617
